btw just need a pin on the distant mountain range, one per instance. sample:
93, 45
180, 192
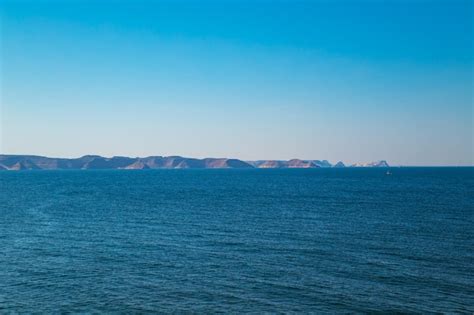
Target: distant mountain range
33, 162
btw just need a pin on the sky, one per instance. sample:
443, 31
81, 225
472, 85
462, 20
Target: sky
355, 81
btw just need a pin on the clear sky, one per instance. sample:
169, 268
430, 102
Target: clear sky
341, 80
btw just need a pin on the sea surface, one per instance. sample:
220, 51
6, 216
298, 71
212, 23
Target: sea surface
237, 241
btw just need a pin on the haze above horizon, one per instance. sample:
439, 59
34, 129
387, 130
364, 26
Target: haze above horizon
356, 81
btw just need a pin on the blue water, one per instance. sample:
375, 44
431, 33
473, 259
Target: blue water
324, 240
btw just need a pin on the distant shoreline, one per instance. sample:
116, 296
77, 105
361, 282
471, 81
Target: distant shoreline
35, 162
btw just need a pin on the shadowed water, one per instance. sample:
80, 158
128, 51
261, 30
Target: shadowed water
324, 240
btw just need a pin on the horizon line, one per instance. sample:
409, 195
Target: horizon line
233, 158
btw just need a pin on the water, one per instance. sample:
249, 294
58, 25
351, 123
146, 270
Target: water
325, 240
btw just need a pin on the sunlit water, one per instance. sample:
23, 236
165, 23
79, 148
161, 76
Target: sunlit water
325, 240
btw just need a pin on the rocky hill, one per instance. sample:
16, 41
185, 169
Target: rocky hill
381, 163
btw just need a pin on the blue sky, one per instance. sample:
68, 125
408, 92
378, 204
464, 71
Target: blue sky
340, 80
